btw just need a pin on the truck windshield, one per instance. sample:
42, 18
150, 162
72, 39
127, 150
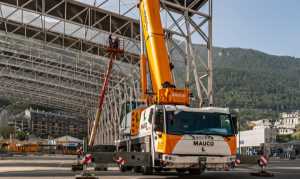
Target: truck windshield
183, 122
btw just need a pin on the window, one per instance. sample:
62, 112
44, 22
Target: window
159, 120
182, 122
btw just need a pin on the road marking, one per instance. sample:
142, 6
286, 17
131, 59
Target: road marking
285, 168
25, 168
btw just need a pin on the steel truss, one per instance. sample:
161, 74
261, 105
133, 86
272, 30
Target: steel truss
68, 80
57, 66
54, 64
191, 22
69, 24
186, 22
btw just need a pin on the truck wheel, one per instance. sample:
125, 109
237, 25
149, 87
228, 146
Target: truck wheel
147, 170
137, 169
180, 170
196, 171
158, 169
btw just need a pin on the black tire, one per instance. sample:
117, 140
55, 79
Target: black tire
158, 169
148, 170
196, 171
137, 169
180, 171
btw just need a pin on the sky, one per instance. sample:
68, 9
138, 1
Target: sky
271, 26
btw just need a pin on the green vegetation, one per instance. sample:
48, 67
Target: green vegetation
252, 79
21, 135
289, 137
296, 136
260, 85
284, 138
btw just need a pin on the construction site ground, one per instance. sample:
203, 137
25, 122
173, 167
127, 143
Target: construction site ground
59, 167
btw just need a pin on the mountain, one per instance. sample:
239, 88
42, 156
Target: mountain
259, 84
253, 81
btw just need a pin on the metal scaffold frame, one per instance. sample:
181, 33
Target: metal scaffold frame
67, 80
186, 23
192, 22
53, 53
69, 24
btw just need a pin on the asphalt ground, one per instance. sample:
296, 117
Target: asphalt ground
22, 168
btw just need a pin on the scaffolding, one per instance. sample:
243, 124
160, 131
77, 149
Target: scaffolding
52, 76
54, 53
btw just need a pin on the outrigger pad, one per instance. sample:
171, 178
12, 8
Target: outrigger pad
262, 174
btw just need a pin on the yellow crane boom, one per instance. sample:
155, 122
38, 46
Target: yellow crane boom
164, 89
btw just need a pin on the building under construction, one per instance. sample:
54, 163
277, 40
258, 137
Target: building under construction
54, 53
47, 125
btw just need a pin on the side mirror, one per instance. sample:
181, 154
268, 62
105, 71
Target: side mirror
235, 123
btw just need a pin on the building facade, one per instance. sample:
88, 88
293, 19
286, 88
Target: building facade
49, 124
288, 122
263, 123
250, 142
19, 122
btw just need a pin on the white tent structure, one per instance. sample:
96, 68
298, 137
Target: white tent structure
68, 141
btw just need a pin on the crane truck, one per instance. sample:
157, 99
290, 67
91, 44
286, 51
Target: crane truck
164, 132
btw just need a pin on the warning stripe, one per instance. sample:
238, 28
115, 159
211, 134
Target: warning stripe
263, 160
87, 159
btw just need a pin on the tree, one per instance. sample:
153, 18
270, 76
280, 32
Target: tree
284, 138
21, 135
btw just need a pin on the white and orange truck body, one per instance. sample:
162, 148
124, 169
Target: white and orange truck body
182, 138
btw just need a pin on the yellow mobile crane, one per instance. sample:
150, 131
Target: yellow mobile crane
163, 86
166, 133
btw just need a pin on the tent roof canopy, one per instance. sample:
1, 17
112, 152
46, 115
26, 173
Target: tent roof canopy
67, 139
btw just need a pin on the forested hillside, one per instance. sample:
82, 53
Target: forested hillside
252, 80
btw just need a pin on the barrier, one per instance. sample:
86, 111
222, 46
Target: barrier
262, 163
87, 159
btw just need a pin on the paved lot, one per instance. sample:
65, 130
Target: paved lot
283, 169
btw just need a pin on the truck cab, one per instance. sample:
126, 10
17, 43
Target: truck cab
186, 139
